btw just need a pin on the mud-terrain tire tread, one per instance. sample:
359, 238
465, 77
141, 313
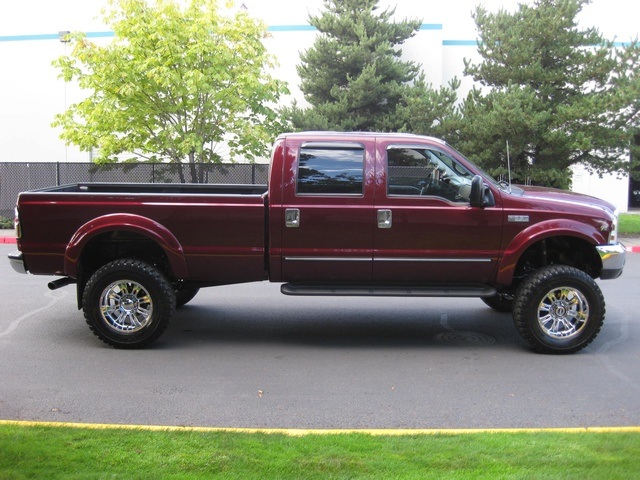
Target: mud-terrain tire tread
163, 297
532, 290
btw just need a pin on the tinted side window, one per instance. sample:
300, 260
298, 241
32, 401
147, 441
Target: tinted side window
418, 171
330, 170
407, 170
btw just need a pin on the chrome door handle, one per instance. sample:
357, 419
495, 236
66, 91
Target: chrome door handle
385, 218
292, 217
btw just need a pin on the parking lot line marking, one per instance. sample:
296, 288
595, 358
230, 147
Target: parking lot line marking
14, 325
299, 432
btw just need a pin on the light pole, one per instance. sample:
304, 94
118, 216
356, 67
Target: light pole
63, 36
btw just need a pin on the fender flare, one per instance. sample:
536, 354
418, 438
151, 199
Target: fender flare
535, 233
125, 222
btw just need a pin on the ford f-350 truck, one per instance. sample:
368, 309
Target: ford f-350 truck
347, 214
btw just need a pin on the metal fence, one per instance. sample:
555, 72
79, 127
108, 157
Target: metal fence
18, 177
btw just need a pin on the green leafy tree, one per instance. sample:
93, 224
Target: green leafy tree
559, 94
353, 76
176, 83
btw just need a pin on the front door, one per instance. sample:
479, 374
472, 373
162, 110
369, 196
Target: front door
426, 230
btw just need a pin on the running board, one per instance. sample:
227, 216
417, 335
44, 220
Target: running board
346, 290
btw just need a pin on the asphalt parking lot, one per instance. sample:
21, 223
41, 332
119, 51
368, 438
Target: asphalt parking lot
246, 356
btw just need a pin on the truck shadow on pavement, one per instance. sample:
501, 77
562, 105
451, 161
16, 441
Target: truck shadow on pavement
345, 326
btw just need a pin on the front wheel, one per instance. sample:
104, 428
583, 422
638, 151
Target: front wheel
559, 309
128, 303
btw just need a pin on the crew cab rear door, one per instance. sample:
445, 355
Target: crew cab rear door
327, 210
426, 231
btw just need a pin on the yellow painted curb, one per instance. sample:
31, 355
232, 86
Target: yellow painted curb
298, 432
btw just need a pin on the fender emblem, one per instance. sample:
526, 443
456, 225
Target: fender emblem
518, 218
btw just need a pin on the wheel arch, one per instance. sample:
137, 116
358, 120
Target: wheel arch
563, 242
129, 232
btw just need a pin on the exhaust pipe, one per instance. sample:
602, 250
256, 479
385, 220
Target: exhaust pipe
60, 282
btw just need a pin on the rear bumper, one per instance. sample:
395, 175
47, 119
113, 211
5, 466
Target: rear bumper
613, 258
17, 262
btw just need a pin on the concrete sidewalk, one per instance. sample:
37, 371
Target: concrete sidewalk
632, 243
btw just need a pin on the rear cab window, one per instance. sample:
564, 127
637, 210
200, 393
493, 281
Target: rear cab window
330, 169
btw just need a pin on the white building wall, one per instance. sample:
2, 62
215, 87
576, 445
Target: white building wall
611, 187
31, 94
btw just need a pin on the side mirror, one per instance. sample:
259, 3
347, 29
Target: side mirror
476, 199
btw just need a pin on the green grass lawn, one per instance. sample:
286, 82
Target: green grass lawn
629, 224
85, 453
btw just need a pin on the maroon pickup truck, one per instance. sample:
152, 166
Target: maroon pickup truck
343, 214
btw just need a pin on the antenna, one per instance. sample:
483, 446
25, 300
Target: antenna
508, 166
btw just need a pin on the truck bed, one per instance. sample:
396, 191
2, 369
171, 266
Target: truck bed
216, 231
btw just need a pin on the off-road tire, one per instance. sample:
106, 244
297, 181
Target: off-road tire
128, 304
559, 309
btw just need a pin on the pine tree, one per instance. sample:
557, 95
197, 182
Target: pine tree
559, 94
353, 77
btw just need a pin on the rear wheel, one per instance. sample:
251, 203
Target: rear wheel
559, 309
128, 303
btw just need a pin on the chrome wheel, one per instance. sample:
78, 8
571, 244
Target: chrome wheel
128, 303
563, 312
126, 306
559, 309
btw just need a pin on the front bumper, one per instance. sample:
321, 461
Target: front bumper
17, 262
613, 258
